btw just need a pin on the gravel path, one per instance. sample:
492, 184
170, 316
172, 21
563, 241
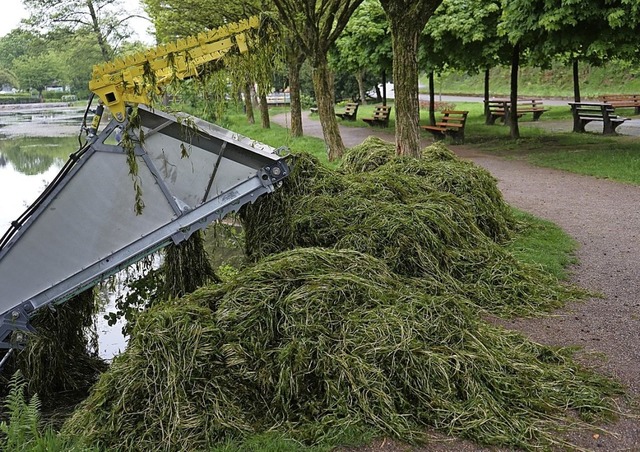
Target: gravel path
604, 218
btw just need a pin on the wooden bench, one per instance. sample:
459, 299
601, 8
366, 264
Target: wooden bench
501, 108
586, 112
623, 101
497, 109
350, 112
380, 116
451, 124
534, 106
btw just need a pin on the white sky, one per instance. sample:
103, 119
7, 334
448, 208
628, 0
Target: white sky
13, 12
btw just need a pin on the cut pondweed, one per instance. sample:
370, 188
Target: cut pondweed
436, 218
314, 340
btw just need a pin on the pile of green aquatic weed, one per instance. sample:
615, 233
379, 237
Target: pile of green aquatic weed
403, 217
447, 173
313, 341
60, 357
372, 153
186, 267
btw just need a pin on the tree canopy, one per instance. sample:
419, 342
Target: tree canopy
107, 20
316, 25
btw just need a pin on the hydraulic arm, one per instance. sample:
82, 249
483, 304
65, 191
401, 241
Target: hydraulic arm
133, 79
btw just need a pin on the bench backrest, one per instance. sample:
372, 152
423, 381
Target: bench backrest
500, 104
351, 108
622, 101
592, 108
534, 103
454, 117
382, 112
497, 104
615, 97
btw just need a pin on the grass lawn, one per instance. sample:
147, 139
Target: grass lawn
609, 157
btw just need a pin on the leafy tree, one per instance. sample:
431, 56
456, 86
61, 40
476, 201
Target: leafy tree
37, 72
174, 19
105, 19
463, 35
316, 25
69, 47
18, 43
365, 45
8, 78
407, 18
589, 30
73, 47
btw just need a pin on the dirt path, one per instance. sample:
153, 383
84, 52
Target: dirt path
604, 218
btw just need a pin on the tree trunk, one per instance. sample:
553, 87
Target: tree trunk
363, 95
405, 79
254, 96
487, 111
384, 87
264, 111
295, 58
95, 26
432, 100
323, 86
378, 94
513, 110
576, 81
248, 105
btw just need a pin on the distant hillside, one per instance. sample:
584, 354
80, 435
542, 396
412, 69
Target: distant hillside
614, 78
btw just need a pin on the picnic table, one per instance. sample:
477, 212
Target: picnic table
586, 112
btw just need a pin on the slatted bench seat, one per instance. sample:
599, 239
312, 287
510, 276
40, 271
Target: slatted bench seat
450, 125
501, 108
350, 112
623, 101
586, 112
380, 117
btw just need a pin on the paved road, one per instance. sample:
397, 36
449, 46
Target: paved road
451, 98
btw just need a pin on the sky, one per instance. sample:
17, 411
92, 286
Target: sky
13, 12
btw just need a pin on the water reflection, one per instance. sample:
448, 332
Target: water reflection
33, 156
33, 148
27, 165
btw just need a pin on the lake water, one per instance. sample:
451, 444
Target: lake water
35, 142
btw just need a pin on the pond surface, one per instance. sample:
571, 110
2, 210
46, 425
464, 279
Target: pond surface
34, 145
